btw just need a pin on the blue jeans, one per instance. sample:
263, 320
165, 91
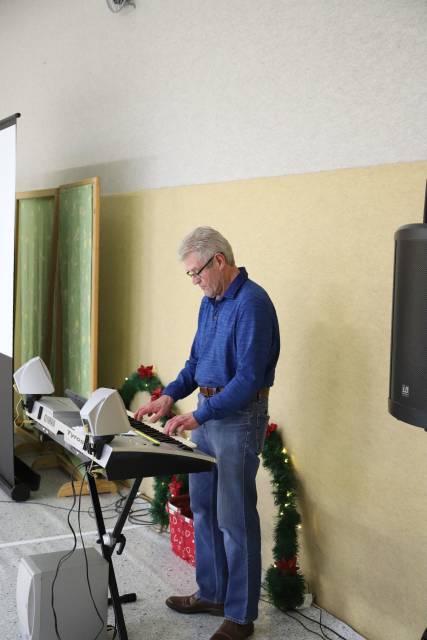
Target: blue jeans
226, 521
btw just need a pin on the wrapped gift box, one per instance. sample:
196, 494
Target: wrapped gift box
181, 528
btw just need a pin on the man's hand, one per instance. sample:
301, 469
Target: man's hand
178, 424
156, 409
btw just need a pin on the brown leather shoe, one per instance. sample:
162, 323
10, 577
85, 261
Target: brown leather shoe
230, 630
193, 604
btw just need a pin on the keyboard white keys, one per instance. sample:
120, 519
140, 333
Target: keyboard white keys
159, 429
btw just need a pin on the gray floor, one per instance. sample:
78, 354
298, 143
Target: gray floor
147, 566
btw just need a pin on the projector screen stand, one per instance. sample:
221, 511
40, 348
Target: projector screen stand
25, 480
19, 491
26, 474
108, 543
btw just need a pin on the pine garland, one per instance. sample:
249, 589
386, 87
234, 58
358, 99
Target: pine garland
158, 504
284, 582
162, 494
145, 379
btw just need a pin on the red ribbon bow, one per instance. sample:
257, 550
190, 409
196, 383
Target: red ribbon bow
145, 372
271, 427
287, 566
175, 487
156, 393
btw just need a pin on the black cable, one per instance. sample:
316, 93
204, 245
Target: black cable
62, 560
109, 511
321, 628
86, 560
136, 515
109, 627
326, 627
69, 553
42, 504
324, 636
296, 619
114, 508
321, 625
111, 507
303, 625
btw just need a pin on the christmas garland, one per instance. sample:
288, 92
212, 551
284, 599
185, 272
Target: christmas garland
144, 379
283, 581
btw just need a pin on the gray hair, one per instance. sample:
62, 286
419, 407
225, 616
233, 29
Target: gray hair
206, 242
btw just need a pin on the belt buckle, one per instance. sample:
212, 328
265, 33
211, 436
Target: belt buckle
262, 393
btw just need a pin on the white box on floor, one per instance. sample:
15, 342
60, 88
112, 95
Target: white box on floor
75, 611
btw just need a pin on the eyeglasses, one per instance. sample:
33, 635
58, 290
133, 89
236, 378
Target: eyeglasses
196, 274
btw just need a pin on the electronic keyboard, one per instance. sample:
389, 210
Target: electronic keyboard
80, 402
143, 451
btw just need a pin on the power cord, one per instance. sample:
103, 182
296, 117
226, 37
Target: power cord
109, 511
321, 611
322, 626
322, 633
86, 560
62, 560
136, 515
69, 554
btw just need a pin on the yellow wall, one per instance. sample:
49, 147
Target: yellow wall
322, 245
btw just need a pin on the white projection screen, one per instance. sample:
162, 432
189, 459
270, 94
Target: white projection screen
7, 235
15, 476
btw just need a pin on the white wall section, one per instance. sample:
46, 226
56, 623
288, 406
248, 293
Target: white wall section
191, 91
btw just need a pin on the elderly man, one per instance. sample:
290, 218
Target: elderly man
232, 362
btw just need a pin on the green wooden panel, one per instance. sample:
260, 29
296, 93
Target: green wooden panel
75, 286
34, 279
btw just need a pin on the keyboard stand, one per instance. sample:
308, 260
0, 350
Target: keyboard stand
108, 543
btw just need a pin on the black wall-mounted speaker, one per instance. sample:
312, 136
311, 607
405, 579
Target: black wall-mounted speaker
408, 362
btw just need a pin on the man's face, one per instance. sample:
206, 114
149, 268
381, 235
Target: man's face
209, 279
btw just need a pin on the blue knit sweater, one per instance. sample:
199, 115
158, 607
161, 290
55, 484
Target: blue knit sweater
236, 346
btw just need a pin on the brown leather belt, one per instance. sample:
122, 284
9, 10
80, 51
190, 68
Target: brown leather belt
208, 392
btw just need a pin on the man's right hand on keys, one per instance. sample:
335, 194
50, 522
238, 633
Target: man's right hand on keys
156, 409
